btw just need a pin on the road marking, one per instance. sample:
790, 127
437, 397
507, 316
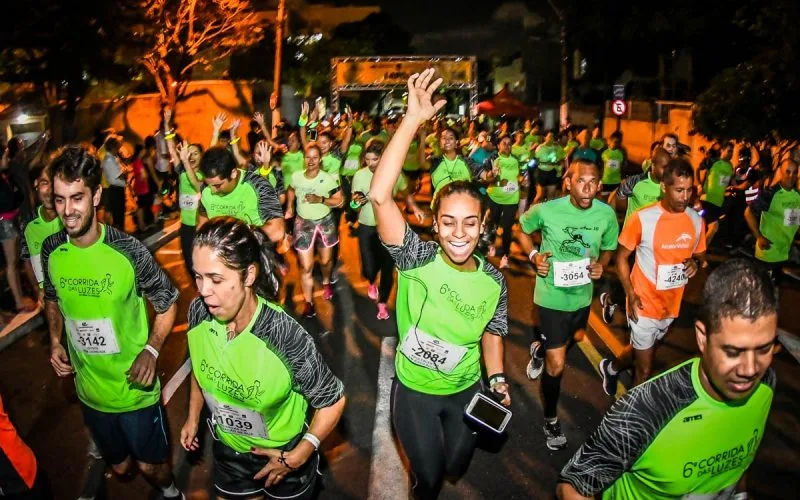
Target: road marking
387, 477
177, 379
594, 358
606, 335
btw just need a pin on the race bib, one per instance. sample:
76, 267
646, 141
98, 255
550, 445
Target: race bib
36, 264
612, 164
430, 352
791, 217
569, 274
93, 336
189, 201
235, 420
351, 164
671, 276
511, 187
724, 180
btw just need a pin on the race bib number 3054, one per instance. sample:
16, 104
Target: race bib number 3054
235, 420
93, 336
569, 274
671, 276
430, 352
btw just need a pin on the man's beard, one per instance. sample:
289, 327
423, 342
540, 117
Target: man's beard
87, 224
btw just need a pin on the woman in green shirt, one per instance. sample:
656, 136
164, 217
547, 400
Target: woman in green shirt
451, 311
256, 369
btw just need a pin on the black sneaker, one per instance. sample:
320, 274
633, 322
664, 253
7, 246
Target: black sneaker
609, 308
309, 311
536, 364
609, 380
554, 438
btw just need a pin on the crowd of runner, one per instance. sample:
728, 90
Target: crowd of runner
256, 369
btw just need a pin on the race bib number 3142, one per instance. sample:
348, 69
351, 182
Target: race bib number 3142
93, 336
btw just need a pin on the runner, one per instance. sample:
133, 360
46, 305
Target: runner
451, 166
374, 257
247, 196
451, 305
597, 143
614, 159
668, 239
503, 199
21, 478
712, 193
579, 233
37, 230
550, 156
520, 150
693, 431
112, 350
315, 192
534, 137
293, 160
648, 162
257, 370
669, 142
773, 219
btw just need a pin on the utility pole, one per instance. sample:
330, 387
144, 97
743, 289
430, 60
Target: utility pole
274, 99
564, 111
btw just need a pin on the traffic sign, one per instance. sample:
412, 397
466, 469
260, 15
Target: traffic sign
619, 92
618, 107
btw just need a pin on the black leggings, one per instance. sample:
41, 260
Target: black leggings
116, 205
433, 434
505, 215
350, 215
187, 239
375, 258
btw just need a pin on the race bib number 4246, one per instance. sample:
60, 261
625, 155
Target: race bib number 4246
93, 336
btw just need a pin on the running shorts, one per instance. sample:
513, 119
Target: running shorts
322, 231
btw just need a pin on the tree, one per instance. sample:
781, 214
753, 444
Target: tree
189, 34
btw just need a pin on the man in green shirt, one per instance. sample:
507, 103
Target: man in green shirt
96, 279
597, 143
550, 156
613, 162
773, 219
693, 431
712, 193
37, 230
579, 235
639, 191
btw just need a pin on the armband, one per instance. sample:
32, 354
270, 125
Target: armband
235, 140
302, 121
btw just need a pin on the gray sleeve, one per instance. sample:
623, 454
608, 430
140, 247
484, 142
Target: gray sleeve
413, 252
311, 375
625, 190
475, 168
197, 312
627, 429
48, 246
269, 205
498, 325
151, 280
24, 251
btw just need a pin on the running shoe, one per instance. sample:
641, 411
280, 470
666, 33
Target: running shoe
609, 308
372, 293
609, 380
335, 274
383, 311
179, 496
554, 438
536, 364
309, 311
504, 262
327, 291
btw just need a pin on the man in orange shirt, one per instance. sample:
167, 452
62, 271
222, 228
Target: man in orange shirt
20, 478
668, 238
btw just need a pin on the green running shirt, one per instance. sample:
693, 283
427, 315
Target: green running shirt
521, 152
332, 163
597, 144
352, 161
505, 189
361, 182
569, 234
444, 171
272, 370
100, 291
253, 201
550, 157
322, 185
412, 157
668, 438
717, 181
779, 213
188, 197
640, 190
293, 161
613, 160
34, 234
442, 314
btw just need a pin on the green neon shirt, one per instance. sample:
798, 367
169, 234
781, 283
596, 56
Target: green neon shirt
253, 201
550, 157
533, 139
444, 171
717, 181
571, 145
332, 164
613, 160
361, 182
105, 314
322, 185
505, 189
569, 234
452, 306
352, 160
188, 198
779, 213
597, 144
293, 161
412, 157
271, 368
432, 141
640, 191
522, 152
668, 438
34, 234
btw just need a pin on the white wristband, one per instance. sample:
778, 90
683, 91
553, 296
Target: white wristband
532, 254
152, 350
314, 440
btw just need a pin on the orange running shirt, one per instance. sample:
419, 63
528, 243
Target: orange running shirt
662, 241
17, 454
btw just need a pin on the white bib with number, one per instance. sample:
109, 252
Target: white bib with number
671, 276
189, 201
430, 352
724, 180
351, 164
569, 274
612, 164
511, 187
36, 264
93, 336
235, 420
791, 217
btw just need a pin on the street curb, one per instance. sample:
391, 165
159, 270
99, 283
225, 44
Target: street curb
153, 243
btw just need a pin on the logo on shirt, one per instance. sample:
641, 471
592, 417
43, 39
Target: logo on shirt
736, 457
684, 237
469, 311
692, 418
87, 287
576, 245
233, 388
682, 242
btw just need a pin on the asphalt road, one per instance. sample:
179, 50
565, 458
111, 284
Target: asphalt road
46, 411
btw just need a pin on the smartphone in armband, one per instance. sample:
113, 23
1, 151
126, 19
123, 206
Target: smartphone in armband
488, 413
